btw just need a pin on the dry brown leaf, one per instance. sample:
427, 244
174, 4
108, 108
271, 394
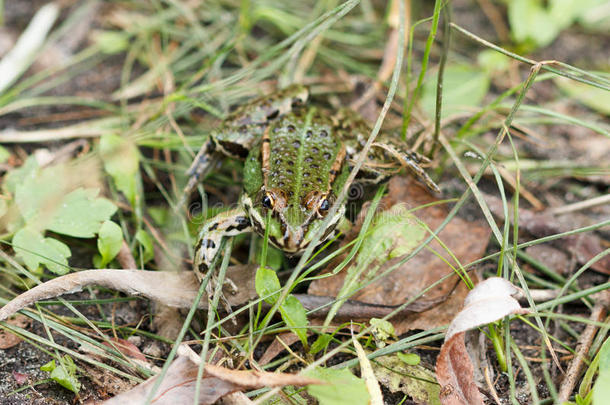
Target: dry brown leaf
178, 289
8, 339
455, 373
179, 383
127, 348
467, 240
276, 347
489, 301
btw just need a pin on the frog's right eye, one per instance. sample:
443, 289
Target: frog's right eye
268, 201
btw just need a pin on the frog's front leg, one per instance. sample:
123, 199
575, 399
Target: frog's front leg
228, 141
228, 223
412, 160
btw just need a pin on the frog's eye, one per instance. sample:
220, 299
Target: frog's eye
324, 206
268, 201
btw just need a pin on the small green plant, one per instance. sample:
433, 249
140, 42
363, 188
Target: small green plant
64, 373
44, 200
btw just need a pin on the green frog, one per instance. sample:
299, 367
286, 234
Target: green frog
297, 160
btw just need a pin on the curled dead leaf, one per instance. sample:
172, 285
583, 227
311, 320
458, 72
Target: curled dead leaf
489, 301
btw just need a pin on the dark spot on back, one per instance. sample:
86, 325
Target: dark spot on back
291, 128
296, 144
290, 163
319, 180
308, 134
323, 134
315, 150
288, 171
278, 161
309, 159
315, 166
306, 174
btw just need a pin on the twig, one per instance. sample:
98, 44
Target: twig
584, 343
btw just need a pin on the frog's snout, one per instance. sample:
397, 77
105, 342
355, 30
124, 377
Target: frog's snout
293, 238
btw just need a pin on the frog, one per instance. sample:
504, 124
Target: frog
297, 158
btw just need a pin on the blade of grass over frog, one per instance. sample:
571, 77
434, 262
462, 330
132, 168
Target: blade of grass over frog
187, 321
343, 194
211, 313
601, 83
350, 279
424, 66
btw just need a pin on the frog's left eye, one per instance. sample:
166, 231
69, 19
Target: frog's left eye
324, 205
268, 201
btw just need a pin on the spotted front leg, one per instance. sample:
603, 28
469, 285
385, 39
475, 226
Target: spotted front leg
411, 160
228, 223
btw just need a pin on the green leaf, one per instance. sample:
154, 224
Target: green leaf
321, 343
147, 243
267, 284
81, 214
295, 317
64, 373
410, 359
121, 161
109, 241
592, 97
382, 331
601, 389
343, 387
464, 87
414, 380
35, 250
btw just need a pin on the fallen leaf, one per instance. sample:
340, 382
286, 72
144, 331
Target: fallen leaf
467, 240
127, 348
179, 383
489, 301
414, 380
20, 378
8, 339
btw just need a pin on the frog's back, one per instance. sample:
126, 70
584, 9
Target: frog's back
303, 155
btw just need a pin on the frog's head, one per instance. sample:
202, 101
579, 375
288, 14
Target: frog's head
292, 223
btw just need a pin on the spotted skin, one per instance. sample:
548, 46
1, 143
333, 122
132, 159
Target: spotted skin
298, 160
228, 223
